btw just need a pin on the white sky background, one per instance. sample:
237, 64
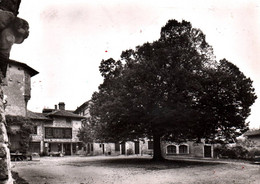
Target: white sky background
69, 38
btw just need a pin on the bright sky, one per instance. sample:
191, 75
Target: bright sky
69, 38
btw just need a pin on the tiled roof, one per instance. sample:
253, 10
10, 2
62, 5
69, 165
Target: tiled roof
64, 113
253, 132
36, 116
31, 71
83, 106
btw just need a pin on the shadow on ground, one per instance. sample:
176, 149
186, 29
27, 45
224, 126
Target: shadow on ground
18, 179
143, 163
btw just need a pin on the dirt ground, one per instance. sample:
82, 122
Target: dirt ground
133, 170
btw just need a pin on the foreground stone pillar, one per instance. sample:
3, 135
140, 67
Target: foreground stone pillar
13, 30
5, 163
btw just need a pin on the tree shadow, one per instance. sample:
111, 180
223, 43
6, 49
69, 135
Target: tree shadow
143, 163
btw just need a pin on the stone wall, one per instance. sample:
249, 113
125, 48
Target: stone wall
5, 164
13, 30
14, 91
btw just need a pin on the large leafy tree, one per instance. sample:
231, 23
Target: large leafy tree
225, 103
170, 88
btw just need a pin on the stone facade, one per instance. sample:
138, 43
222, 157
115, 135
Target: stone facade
138, 147
17, 88
51, 126
187, 149
145, 146
124, 148
254, 136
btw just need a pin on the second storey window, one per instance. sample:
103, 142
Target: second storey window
58, 133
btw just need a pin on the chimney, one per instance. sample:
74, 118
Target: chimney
62, 106
55, 106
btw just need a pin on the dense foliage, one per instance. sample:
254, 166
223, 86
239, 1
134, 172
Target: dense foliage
26, 128
172, 88
236, 152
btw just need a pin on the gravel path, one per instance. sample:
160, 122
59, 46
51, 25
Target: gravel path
133, 170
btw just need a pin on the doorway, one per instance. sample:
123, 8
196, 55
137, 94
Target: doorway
207, 151
67, 148
123, 148
137, 149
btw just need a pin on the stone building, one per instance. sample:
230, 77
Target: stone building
56, 131
17, 87
188, 149
254, 136
17, 93
137, 147
145, 146
36, 144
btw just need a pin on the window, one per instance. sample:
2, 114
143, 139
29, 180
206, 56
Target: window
150, 144
35, 130
67, 132
68, 120
171, 149
48, 133
58, 133
183, 149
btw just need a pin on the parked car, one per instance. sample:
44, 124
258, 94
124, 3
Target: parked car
18, 156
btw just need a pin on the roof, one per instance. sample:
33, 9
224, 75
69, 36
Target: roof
30, 70
37, 116
82, 107
64, 113
46, 111
253, 133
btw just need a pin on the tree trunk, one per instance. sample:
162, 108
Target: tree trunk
157, 152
